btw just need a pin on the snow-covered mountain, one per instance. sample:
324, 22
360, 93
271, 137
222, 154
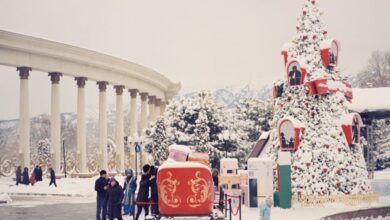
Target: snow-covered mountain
230, 95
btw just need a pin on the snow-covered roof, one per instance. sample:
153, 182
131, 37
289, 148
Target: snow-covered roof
328, 43
296, 123
286, 46
370, 99
347, 119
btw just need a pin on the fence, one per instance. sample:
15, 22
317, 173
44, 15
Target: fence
361, 214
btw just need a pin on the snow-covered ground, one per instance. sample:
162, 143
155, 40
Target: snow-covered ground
74, 190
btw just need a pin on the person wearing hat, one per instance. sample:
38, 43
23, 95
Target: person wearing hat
101, 186
114, 198
129, 188
143, 192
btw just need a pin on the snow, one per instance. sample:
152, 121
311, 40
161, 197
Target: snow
326, 44
296, 123
370, 99
264, 135
174, 164
4, 198
347, 119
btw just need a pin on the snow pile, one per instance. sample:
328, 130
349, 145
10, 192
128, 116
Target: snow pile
4, 198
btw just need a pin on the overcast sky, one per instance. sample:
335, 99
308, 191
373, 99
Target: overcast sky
204, 44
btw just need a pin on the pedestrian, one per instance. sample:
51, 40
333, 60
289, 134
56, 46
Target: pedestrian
52, 177
101, 187
18, 175
114, 198
39, 174
35, 172
265, 209
153, 190
129, 188
26, 180
215, 180
32, 179
143, 192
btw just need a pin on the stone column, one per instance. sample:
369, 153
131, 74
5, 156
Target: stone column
151, 118
133, 113
103, 162
81, 126
119, 137
55, 121
157, 109
163, 106
144, 120
24, 118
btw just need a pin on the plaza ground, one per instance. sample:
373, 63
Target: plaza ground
75, 199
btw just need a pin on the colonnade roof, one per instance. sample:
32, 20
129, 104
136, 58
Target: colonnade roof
49, 56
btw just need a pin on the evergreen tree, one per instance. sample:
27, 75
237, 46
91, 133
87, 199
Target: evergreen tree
157, 142
323, 164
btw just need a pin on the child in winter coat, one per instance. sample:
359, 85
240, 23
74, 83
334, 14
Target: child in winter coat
265, 209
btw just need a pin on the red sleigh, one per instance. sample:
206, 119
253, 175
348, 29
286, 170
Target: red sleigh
185, 189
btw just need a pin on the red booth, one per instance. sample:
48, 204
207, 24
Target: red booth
296, 73
289, 131
185, 189
330, 49
351, 124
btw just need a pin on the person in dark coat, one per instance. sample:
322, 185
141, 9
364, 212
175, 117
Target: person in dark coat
35, 172
154, 190
295, 76
284, 143
114, 199
143, 192
26, 179
215, 180
52, 177
291, 143
18, 175
39, 174
101, 187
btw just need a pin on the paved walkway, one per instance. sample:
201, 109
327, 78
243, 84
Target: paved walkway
83, 211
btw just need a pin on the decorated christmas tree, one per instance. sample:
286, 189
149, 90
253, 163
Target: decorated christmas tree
311, 118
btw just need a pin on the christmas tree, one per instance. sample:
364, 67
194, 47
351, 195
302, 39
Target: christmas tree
308, 111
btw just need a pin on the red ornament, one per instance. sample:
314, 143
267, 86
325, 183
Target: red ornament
312, 114
308, 164
289, 98
304, 37
327, 146
297, 27
325, 32
338, 172
314, 37
293, 178
304, 12
306, 104
325, 170
295, 167
338, 184
339, 149
313, 2
312, 176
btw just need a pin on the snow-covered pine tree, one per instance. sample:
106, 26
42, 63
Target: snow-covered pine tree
323, 164
382, 143
157, 142
198, 122
41, 154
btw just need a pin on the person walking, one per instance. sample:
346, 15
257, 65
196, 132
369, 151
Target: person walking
18, 175
52, 177
101, 187
153, 190
143, 192
39, 174
114, 199
129, 188
265, 209
26, 180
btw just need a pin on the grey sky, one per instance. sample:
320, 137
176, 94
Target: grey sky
204, 44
